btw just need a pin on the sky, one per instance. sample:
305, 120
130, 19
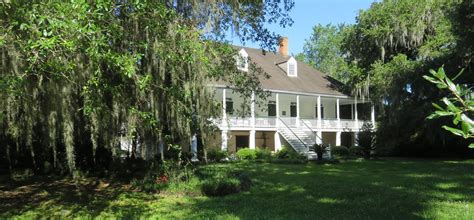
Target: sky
307, 13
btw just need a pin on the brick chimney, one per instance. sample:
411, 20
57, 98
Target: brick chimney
283, 43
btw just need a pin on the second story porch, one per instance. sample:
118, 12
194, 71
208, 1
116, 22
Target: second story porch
312, 111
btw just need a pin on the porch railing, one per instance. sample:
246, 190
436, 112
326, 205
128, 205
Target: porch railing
271, 122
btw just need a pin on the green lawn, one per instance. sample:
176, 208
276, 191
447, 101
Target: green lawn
356, 189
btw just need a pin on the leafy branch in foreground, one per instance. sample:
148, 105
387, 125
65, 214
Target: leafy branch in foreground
460, 106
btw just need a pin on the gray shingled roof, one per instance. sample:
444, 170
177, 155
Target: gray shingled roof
309, 80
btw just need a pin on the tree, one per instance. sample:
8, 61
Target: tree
323, 51
77, 78
391, 45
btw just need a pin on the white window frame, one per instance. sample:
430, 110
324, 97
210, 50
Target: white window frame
292, 61
242, 56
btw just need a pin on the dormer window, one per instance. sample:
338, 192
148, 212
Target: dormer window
292, 67
242, 60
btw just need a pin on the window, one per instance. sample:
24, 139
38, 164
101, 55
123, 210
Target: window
291, 69
293, 109
229, 106
271, 108
242, 60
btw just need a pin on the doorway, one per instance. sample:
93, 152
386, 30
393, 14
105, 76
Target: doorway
241, 141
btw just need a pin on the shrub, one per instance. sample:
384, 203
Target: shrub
356, 151
245, 181
220, 186
340, 150
263, 154
320, 149
366, 139
247, 154
216, 155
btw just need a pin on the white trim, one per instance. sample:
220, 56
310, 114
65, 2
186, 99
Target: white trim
242, 56
294, 92
292, 61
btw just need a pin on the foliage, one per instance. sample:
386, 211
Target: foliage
340, 150
366, 139
387, 51
220, 187
323, 51
220, 182
217, 155
460, 106
320, 149
288, 153
247, 154
357, 151
78, 79
263, 154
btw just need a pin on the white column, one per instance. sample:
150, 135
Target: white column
297, 110
319, 133
319, 138
338, 115
277, 102
372, 115
252, 131
252, 139
319, 111
224, 132
338, 138
355, 109
224, 138
355, 114
252, 110
224, 108
277, 141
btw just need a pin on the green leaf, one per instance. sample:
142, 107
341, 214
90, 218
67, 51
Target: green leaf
471, 145
455, 131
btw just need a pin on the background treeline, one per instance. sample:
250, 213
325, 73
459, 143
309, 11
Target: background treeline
77, 78
384, 55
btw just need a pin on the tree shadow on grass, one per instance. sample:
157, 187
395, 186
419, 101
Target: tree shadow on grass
401, 189
90, 198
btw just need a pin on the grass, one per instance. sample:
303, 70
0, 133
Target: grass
355, 189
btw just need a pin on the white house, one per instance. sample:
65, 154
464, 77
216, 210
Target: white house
304, 108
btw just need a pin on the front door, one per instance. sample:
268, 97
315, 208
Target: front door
271, 108
293, 109
241, 141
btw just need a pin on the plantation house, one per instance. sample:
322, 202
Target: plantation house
305, 107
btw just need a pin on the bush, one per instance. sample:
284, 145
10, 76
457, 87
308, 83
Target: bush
216, 155
340, 150
366, 139
247, 154
356, 151
286, 153
320, 149
220, 186
263, 154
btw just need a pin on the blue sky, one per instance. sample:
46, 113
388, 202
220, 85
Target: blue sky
308, 13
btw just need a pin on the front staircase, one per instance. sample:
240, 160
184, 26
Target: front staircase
300, 138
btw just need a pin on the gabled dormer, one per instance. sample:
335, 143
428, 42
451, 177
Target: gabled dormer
290, 67
242, 60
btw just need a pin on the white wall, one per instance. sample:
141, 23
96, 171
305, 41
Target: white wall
308, 106
329, 108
